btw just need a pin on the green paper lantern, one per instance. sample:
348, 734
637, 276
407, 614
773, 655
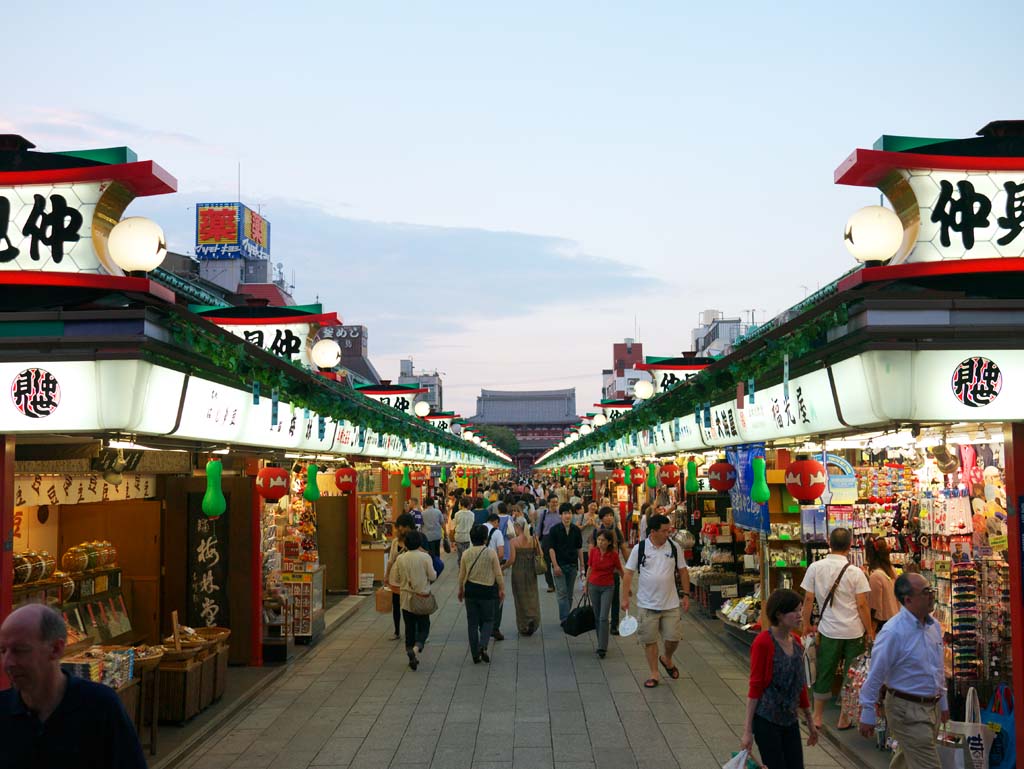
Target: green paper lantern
759, 492
652, 476
406, 480
629, 476
692, 484
214, 504
444, 474
312, 492
574, 472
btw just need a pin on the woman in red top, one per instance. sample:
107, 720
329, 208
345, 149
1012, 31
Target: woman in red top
778, 687
600, 584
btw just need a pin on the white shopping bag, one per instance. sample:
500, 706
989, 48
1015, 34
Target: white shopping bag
966, 744
739, 761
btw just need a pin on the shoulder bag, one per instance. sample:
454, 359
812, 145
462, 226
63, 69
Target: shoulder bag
540, 565
832, 593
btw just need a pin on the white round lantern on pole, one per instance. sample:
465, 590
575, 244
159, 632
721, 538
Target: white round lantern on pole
873, 234
137, 244
600, 420
421, 409
586, 429
643, 389
326, 353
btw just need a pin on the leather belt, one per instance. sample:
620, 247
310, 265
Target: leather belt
916, 697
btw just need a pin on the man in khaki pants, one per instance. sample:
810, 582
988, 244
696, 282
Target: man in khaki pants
908, 660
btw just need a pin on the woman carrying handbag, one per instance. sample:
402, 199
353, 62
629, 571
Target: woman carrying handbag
413, 572
523, 564
480, 584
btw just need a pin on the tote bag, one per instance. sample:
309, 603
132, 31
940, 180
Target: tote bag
966, 744
999, 716
581, 619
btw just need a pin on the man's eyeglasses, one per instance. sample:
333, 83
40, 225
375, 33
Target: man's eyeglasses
928, 591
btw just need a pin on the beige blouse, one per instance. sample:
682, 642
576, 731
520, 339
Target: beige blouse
486, 570
883, 596
413, 572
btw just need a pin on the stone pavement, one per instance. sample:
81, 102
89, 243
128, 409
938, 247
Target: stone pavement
544, 702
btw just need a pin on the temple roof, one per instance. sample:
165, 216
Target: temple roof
510, 407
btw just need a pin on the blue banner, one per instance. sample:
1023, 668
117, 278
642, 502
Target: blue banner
745, 512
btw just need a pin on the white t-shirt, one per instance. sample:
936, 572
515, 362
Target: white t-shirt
656, 581
841, 619
497, 538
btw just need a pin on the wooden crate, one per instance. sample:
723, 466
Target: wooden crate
179, 690
207, 680
129, 694
220, 679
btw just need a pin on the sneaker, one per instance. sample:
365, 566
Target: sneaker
413, 662
396, 637
601, 653
497, 635
615, 630
551, 590
484, 656
476, 660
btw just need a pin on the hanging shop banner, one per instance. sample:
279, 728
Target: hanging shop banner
746, 513
666, 373
291, 337
941, 385
78, 488
805, 407
723, 427
231, 231
686, 435
207, 566
61, 223
400, 397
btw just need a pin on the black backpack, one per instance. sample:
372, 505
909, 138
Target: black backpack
642, 558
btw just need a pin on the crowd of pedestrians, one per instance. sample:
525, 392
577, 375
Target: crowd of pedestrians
528, 529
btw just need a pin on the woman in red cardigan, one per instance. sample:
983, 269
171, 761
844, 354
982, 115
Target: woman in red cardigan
778, 687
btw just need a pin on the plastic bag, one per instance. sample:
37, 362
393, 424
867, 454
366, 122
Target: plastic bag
855, 678
739, 761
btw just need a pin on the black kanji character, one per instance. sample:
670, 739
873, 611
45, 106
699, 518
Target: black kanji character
10, 252
961, 215
253, 337
52, 229
286, 343
1014, 219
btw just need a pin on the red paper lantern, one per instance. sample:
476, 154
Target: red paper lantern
584, 473
419, 477
668, 474
638, 475
460, 473
618, 476
272, 482
722, 476
806, 480
345, 479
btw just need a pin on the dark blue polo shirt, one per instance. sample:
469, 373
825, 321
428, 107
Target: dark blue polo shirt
88, 730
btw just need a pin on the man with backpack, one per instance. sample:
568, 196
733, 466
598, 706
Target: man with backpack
656, 562
842, 591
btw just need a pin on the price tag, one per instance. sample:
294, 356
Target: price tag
999, 542
729, 591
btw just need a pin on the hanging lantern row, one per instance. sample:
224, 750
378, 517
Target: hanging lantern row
668, 474
272, 482
722, 475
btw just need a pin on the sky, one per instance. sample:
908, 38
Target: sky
503, 190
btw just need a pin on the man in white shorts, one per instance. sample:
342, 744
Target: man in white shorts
655, 562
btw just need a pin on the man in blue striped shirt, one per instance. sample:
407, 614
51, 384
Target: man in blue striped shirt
908, 659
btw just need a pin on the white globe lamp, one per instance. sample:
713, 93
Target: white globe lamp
468, 434
137, 244
476, 439
873, 234
326, 353
600, 420
421, 409
586, 430
643, 389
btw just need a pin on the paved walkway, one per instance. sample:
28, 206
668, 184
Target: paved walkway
544, 702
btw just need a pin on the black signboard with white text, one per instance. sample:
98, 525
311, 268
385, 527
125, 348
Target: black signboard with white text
207, 570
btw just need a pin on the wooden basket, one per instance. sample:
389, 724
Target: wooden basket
185, 655
215, 636
149, 662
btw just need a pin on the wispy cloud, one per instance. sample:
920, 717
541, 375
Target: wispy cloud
53, 129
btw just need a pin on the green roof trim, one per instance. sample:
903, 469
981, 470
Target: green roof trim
887, 143
109, 155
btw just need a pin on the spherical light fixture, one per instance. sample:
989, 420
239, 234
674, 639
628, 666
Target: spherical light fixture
326, 353
421, 409
467, 434
873, 234
476, 439
137, 244
643, 389
586, 429
600, 420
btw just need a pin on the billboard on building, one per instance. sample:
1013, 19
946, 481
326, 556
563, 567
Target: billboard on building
231, 231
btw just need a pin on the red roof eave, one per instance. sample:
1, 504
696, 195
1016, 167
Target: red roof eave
930, 269
324, 319
143, 178
866, 168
